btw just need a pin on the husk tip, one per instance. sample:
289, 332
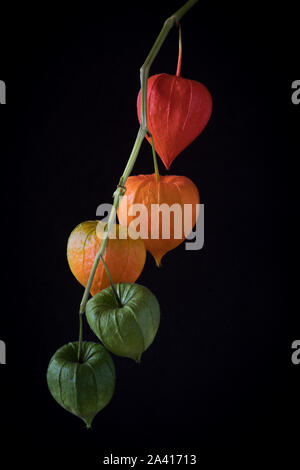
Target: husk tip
138, 359
88, 423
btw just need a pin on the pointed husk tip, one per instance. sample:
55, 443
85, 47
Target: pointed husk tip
138, 358
158, 261
88, 423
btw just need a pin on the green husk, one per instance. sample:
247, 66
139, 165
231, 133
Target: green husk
82, 387
128, 330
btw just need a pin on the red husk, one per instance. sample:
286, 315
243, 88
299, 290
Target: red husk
178, 110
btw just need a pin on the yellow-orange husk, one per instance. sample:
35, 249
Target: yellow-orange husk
125, 256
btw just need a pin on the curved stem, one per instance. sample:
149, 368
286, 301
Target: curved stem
155, 160
117, 298
80, 338
178, 71
112, 216
119, 192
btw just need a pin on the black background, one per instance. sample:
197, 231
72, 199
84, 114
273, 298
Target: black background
219, 375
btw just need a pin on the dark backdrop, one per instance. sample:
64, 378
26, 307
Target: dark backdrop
218, 376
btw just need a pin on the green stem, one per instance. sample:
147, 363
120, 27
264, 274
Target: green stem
155, 160
117, 195
117, 298
80, 338
119, 192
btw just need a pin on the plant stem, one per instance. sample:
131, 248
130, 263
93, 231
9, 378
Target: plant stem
117, 195
80, 338
117, 298
154, 160
120, 191
178, 71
